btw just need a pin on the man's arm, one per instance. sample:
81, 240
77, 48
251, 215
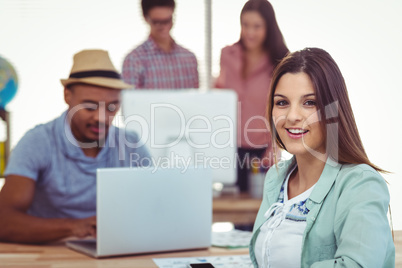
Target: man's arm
195, 71
132, 72
17, 226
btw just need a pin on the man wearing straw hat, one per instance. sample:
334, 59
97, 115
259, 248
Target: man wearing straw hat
49, 193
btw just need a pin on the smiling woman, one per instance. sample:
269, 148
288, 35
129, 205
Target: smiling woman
312, 79
296, 116
313, 202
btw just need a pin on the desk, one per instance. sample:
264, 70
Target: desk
238, 209
58, 256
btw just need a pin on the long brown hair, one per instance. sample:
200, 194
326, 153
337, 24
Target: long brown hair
343, 143
274, 43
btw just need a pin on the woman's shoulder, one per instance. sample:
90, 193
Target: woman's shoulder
359, 169
233, 49
359, 174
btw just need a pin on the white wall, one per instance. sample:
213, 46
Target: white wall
364, 36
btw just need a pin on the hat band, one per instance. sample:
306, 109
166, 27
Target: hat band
107, 74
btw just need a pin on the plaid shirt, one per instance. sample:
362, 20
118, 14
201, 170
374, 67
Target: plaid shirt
150, 67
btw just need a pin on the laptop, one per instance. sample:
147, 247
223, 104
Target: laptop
146, 210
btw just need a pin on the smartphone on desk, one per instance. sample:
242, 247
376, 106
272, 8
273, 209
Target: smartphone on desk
200, 265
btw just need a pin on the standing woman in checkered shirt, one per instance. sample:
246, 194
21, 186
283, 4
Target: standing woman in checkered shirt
246, 67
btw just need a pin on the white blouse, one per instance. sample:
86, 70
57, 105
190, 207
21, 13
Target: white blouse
279, 242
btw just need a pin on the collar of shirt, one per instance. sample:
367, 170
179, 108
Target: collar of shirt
152, 45
70, 146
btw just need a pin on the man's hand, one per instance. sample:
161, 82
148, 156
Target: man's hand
84, 227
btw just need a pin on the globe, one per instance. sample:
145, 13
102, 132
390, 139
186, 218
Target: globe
8, 82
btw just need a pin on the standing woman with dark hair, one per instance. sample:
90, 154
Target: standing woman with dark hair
327, 206
246, 67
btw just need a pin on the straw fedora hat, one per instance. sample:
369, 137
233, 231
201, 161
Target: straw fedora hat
94, 67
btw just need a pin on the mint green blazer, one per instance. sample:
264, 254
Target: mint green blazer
347, 225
